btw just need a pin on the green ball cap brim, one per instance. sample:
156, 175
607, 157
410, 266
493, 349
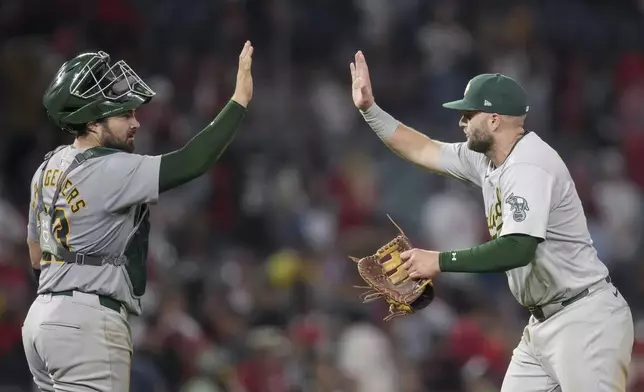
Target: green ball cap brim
461, 104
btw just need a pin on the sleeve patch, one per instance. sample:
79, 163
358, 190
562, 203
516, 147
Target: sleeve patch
518, 207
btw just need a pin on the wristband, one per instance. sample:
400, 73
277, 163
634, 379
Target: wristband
382, 123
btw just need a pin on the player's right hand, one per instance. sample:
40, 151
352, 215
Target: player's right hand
361, 84
244, 87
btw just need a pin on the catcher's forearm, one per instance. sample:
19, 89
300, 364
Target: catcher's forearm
499, 255
196, 157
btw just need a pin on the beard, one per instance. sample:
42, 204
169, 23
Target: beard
479, 141
109, 140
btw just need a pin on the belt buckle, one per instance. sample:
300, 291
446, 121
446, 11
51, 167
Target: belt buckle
80, 258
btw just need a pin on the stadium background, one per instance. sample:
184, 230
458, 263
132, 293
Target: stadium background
250, 288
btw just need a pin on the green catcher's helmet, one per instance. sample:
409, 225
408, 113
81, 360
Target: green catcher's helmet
88, 88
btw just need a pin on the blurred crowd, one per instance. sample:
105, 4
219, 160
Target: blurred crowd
250, 287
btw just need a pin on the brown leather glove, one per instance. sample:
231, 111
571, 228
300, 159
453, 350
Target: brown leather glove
386, 279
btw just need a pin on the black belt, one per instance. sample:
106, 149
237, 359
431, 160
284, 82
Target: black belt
538, 313
85, 259
80, 258
108, 302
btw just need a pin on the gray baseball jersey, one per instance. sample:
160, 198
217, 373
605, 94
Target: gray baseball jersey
99, 205
533, 193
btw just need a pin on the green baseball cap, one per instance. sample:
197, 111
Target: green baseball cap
493, 93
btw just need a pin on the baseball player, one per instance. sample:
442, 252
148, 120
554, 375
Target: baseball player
88, 220
580, 333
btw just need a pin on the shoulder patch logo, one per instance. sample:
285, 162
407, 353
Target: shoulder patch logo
518, 207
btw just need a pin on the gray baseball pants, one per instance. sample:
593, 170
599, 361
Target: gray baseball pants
586, 347
75, 344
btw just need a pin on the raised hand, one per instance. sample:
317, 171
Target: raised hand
361, 84
244, 87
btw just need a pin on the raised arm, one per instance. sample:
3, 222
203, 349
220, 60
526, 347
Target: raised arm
403, 140
203, 150
452, 159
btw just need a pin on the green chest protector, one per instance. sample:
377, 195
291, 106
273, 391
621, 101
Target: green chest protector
46, 218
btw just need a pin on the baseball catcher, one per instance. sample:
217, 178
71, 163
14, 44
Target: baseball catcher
88, 230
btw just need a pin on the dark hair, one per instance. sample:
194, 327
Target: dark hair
82, 129
76, 129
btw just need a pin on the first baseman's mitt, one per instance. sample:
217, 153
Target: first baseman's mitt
387, 279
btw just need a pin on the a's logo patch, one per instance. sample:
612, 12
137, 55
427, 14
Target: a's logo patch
518, 207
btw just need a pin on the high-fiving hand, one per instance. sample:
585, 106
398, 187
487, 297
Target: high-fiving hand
361, 84
244, 87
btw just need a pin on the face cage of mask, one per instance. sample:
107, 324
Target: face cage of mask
111, 82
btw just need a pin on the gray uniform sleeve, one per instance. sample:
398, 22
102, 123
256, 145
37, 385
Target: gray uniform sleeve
130, 179
32, 229
527, 195
458, 161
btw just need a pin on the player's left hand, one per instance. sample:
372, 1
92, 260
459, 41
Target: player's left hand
421, 263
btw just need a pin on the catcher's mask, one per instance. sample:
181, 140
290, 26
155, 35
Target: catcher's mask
387, 279
89, 88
